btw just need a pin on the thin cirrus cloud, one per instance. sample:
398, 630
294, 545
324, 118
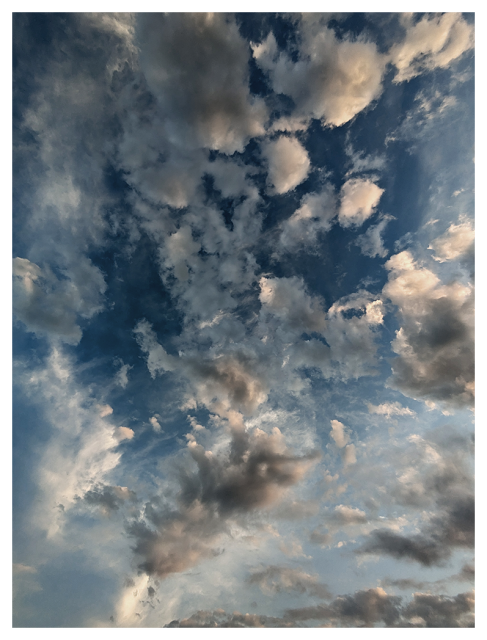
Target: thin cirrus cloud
241, 282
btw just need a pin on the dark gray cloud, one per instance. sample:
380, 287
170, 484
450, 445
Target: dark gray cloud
253, 473
432, 611
446, 531
219, 618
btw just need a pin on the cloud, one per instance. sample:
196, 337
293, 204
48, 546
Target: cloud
435, 342
453, 528
363, 608
315, 215
219, 618
349, 455
388, 409
288, 163
108, 498
49, 306
344, 516
456, 242
359, 199
371, 243
433, 611
124, 433
253, 473
197, 67
158, 360
121, 377
277, 579
432, 42
338, 433
332, 80
287, 299
155, 424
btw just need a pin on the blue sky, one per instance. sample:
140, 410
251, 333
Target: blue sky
243, 286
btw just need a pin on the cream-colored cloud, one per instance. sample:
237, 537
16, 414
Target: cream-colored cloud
359, 199
124, 433
456, 242
349, 455
155, 424
332, 80
433, 41
104, 410
339, 434
288, 163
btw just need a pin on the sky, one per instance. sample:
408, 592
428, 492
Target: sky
243, 335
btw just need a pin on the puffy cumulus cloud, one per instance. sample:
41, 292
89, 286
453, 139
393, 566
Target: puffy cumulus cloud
288, 163
389, 409
359, 198
435, 344
277, 579
338, 433
371, 243
452, 528
197, 67
315, 215
434, 41
253, 473
332, 80
48, 305
435, 611
287, 299
456, 243
108, 498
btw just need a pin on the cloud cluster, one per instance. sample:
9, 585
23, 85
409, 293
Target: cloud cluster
197, 67
332, 80
435, 344
277, 579
314, 215
253, 473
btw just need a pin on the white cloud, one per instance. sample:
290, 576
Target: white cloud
332, 80
155, 424
288, 163
433, 41
389, 409
124, 433
457, 241
359, 199
339, 434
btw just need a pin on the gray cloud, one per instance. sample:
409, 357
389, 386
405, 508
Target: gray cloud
197, 67
453, 528
427, 610
435, 344
371, 243
219, 618
108, 498
253, 473
276, 579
